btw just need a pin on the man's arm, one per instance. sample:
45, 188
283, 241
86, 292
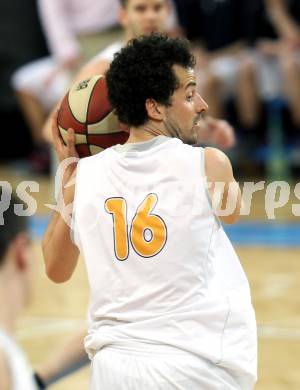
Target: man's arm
58, 30
60, 253
283, 22
218, 169
68, 358
5, 382
92, 68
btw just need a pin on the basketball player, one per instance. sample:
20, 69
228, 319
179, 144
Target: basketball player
15, 280
16, 266
141, 17
170, 303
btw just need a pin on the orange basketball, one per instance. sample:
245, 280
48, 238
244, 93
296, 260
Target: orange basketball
87, 110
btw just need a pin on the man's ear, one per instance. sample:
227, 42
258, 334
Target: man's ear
20, 244
155, 110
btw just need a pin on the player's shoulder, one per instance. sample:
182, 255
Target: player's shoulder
215, 156
217, 163
93, 159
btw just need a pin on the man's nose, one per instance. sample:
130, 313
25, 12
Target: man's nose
150, 14
201, 104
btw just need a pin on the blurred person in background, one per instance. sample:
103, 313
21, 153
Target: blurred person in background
74, 30
273, 67
285, 17
216, 29
141, 17
21, 41
16, 264
16, 276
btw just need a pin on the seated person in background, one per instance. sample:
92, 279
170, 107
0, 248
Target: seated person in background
141, 17
75, 30
216, 29
274, 66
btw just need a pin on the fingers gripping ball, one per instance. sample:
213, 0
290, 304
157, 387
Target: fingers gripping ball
87, 110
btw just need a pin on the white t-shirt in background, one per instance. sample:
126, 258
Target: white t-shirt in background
21, 375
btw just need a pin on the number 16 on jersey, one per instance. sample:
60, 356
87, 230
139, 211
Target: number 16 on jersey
147, 231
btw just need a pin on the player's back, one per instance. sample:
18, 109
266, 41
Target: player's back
160, 267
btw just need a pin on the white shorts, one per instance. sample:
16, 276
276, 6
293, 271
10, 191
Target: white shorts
226, 69
115, 368
269, 75
43, 80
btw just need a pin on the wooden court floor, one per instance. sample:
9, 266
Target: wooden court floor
57, 310
274, 274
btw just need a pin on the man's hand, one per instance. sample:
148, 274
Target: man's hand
64, 151
216, 132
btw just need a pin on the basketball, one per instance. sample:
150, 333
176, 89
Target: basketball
87, 110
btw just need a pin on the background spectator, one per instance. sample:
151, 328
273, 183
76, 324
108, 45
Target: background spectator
21, 41
75, 31
215, 27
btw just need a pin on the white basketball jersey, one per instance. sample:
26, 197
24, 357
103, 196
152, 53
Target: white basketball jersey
160, 266
21, 376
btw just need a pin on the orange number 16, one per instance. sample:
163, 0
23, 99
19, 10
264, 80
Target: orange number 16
148, 232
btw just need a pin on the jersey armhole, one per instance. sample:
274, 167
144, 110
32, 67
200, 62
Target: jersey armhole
204, 177
206, 184
73, 228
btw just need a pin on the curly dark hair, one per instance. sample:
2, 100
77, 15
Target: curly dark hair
143, 70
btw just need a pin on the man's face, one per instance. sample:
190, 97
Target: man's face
187, 107
142, 17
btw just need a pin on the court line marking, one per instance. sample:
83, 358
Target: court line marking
47, 326
278, 333
286, 322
